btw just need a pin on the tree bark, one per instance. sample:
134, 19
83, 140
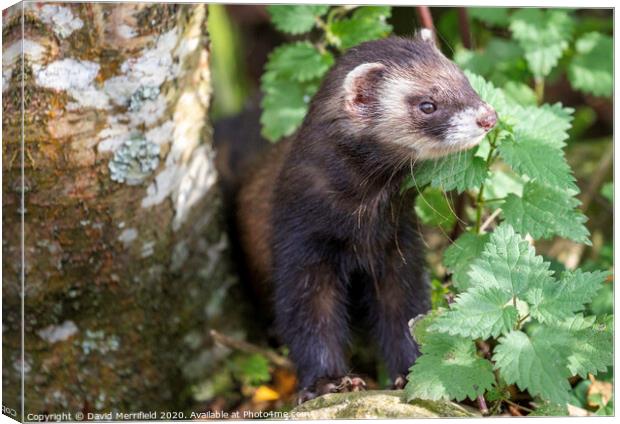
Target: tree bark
125, 257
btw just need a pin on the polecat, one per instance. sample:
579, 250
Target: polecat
322, 215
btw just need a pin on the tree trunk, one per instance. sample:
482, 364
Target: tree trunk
125, 260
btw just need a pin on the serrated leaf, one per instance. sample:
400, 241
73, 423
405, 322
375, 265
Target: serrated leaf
533, 364
367, 23
448, 369
490, 94
478, 313
543, 212
433, 208
556, 301
295, 19
543, 35
500, 184
548, 124
460, 171
299, 61
590, 344
284, 104
591, 69
460, 255
545, 162
520, 93
495, 16
509, 263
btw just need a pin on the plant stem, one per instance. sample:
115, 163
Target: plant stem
539, 88
521, 320
480, 199
516, 405
482, 405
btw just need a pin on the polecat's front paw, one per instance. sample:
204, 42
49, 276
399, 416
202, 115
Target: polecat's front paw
348, 383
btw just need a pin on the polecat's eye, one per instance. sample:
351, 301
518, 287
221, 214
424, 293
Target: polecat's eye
428, 107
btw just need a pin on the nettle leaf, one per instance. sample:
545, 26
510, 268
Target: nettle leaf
543, 35
490, 94
534, 364
495, 16
544, 211
433, 208
553, 302
590, 344
367, 23
460, 171
479, 313
295, 19
527, 155
284, 104
591, 69
520, 93
502, 183
449, 368
509, 263
548, 124
299, 61
460, 255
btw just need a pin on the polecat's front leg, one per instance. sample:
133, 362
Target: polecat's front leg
311, 318
400, 294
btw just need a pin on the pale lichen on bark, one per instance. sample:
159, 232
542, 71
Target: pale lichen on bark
119, 265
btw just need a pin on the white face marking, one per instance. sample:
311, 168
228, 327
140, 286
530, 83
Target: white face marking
464, 131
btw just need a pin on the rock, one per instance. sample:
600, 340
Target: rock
377, 404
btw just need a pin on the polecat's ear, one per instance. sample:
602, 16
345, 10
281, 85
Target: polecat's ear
360, 88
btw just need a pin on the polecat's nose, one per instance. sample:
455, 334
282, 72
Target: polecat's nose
487, 119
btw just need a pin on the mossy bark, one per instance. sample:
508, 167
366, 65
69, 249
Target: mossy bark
125, 264
377, 404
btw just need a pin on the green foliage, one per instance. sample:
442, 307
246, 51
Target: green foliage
251, 369
433, 208
495, 16
294, 70
544, 35
295, 19
458, 257
544, 211
449, 368
591, 69
366, 23
509, 284
458, 171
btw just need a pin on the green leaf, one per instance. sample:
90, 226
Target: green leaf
556, 301
367, 23
299, 61
460, 171
460, 255
520, 93
478, 313
253, 369
591, 69
433, 208
500, 184
295, 19
608, 191
590, 344
533, 364
538, 160
543, 212
448, 369
494, 16
543, 35
548, 124
490, 94
284, 104
509, 263
549, 409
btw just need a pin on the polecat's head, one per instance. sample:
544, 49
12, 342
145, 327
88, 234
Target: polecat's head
407, 92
